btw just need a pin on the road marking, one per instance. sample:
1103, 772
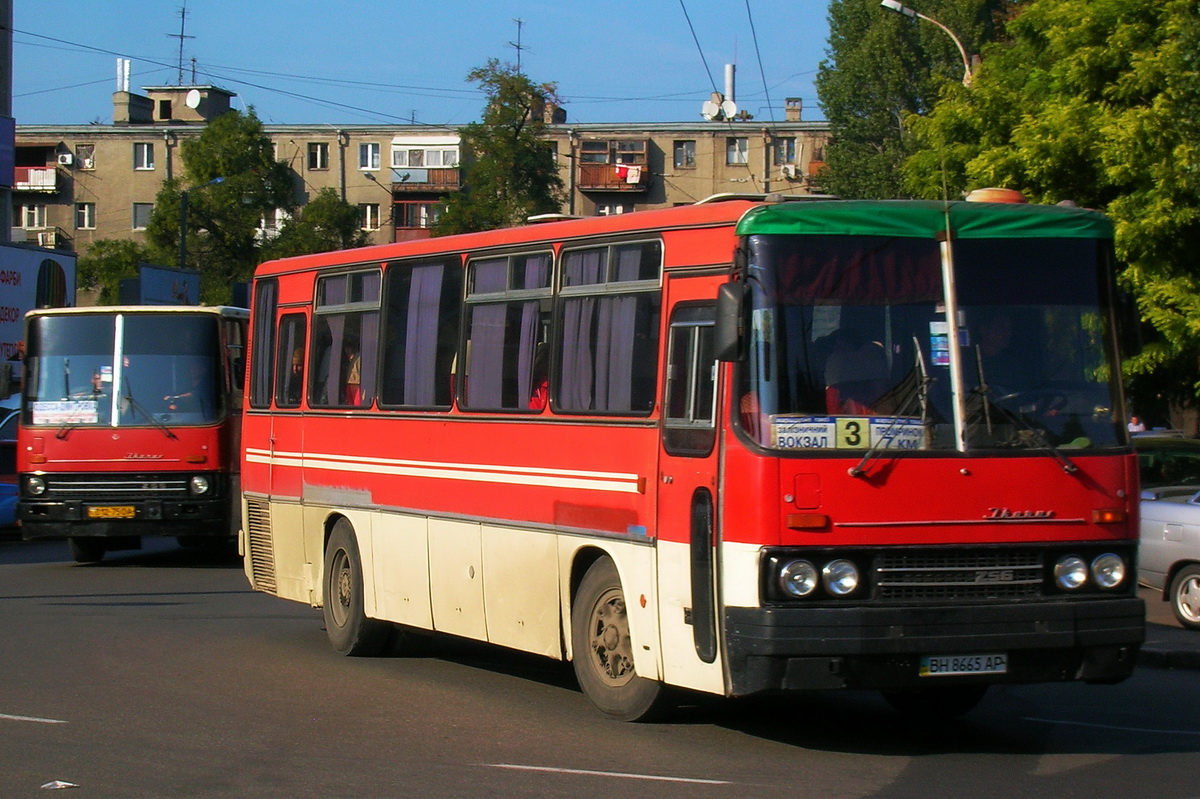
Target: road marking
1113, 727
35, 719
620, 774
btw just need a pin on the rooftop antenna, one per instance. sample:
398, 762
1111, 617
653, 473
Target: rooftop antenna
181, 36
517, 44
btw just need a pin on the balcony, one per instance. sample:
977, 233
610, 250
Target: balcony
35, 178
440, 179
613, 177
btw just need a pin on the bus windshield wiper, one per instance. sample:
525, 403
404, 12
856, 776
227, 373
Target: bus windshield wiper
1025, 431
918, 392
137, 406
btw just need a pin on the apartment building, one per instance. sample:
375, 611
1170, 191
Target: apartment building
76, 184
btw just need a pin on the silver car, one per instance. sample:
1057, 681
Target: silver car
1169, 556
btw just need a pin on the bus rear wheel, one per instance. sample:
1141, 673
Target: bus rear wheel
603, 651
350, 631
87, 550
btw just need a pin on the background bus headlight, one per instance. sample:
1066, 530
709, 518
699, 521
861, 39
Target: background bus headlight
798, 578
841, 577
1070, 572
1108, 570
198, 484
35, 486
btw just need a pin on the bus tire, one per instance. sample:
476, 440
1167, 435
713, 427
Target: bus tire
350, 632
603, 653
936, 704
1185, 597
87, 550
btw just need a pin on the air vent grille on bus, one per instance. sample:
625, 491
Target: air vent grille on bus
260, 550
959, 574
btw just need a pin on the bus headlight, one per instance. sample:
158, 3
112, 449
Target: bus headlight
35, 486
798, 578
1108, 570
198, 484
1070, 572
840, 576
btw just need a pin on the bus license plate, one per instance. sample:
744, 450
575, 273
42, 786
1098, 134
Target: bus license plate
110, 512
958, 665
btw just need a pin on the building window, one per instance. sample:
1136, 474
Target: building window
143, 155
612, 209
85, 156
368, 156
417, 215
368, 216
85, 216
685, 154
318, 155
785, 150
737, 150
141, 215
33, 216
164, 109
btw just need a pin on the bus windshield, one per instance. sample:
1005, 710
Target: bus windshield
850, 346
121, 370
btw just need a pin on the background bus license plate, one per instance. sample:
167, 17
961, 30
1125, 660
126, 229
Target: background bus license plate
958, 665
110, 512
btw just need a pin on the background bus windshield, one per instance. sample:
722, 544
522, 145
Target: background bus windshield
850, 344
164, 369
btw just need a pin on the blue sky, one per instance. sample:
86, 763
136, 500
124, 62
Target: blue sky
400, 61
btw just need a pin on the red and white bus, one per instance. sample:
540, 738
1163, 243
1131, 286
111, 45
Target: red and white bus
130, 425
735, 447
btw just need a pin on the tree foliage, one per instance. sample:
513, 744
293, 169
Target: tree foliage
1095, 102
509, 172
232, 182
881, 68
326, 223
108, 262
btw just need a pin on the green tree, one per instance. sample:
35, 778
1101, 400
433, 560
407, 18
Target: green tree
509, 173
232, 181
1097, 103
881, 68
106, 264
326, 223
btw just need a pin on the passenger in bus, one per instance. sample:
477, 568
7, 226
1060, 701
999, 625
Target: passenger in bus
198, 398
1003, 370
541, 378
352, 369
295, 378
856, 375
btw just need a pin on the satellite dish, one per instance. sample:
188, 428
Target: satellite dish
710, 110
729, 109
193, 99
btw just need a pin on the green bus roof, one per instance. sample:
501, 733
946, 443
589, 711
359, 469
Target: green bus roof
924, 219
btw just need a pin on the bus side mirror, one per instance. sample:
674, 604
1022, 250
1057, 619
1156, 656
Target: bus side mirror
728, 344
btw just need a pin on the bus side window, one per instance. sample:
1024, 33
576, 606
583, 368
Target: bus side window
289, 362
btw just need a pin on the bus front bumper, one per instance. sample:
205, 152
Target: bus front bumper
773, 649
76, 519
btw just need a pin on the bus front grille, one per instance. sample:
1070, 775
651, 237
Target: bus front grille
959, 574
259, 548
108, 487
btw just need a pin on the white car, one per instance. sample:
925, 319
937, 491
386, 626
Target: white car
1169, 555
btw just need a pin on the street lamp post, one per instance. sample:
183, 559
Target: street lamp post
911, 13
183, 204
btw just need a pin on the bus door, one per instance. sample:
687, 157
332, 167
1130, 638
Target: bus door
687, 486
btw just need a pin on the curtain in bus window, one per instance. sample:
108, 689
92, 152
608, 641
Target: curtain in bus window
368, 343
485, 367
585, 267
575, 391
326, 368
421, 339
263, 368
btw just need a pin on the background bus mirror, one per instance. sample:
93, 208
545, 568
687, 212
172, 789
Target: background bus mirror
728, 343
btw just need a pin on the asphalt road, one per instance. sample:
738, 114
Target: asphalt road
159, 674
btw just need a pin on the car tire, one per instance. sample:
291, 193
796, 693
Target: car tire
1185, 596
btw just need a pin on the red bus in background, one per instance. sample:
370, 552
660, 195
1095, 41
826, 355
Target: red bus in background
736, 447
130, 425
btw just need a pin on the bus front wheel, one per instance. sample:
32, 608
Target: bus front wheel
349, 630
603, 651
